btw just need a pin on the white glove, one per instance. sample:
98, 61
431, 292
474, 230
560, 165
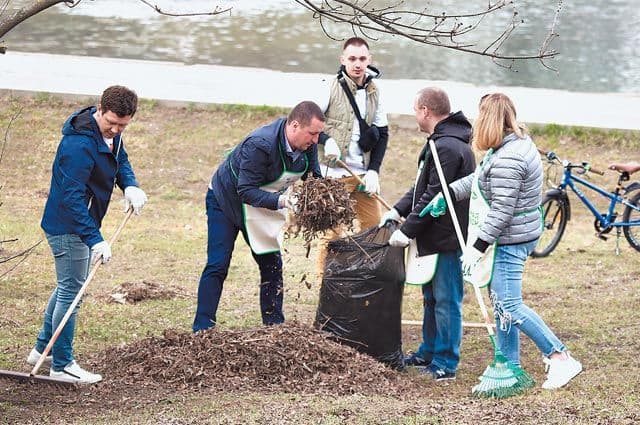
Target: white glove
134, 197
331, 151
470, 259
371, 182
101, 250
287, 201
399, 239
391, 215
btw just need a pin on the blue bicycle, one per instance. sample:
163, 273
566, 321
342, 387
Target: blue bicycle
557, 209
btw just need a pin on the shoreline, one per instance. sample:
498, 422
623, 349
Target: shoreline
175, 83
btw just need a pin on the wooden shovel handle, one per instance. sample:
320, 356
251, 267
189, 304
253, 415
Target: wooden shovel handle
357, 177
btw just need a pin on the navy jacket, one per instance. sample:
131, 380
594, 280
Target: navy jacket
257, 161
451, 137
83, 176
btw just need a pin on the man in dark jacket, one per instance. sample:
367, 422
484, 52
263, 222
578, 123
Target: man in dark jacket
248, 193
442, 323
90, 161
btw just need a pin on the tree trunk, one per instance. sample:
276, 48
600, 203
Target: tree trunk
8, 22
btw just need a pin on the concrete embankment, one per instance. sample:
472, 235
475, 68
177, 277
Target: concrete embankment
177, 82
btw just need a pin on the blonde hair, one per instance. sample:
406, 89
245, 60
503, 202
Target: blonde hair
496, 119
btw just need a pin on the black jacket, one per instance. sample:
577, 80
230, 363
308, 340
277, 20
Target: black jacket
451, 137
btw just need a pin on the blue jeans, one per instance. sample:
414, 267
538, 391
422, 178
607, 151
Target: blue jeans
71, 257
512, 315
222, 235
442, 322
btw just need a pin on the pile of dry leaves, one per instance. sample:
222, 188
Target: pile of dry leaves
289, 357
322, 204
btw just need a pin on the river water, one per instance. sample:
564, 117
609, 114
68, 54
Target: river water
599, 41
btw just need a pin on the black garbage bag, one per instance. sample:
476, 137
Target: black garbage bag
361, 294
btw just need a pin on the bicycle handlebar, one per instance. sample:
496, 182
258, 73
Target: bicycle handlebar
551, 156
591, 169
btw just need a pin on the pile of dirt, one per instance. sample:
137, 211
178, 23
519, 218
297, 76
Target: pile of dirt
290, 358
134, 292
321, 205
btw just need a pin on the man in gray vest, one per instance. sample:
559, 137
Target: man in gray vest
356, 132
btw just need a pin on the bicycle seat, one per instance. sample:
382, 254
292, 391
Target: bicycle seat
629, 167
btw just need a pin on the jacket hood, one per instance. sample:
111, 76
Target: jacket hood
455, 125
81, 122
511, 137
372, 72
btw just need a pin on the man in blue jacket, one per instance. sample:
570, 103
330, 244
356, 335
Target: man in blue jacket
248, 193
439, 352
90, 161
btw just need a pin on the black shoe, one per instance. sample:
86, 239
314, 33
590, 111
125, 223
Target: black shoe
437, 374
414, 360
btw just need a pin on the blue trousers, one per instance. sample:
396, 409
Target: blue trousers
71, 257
442, 321
512, 315
222, 234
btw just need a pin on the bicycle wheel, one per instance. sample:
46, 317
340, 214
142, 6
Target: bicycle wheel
632, 233
555, 216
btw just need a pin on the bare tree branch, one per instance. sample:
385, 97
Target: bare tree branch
367, 18
30, 9
6, 133
216, 11
424, 26
551, 35
22, 255
25, 253
10, 21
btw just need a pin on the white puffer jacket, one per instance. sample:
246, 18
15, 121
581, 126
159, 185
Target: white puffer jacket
511, 181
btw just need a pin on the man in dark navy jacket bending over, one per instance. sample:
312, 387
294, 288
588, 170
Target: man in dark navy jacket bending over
249, 193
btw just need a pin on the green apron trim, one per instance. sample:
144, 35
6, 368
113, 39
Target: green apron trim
285, 170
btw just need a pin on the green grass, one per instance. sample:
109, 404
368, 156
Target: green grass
583, 291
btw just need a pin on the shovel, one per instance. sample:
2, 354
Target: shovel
42, 379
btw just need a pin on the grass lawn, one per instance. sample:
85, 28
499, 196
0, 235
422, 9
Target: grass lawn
587, 294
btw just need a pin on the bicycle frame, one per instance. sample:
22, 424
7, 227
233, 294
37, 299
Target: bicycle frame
606, 220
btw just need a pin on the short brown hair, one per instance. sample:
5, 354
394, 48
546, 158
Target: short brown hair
119, 100
435, 99
355, 41
304, 112
496, 119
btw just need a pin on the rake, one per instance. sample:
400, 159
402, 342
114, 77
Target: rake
61, 382
501, 378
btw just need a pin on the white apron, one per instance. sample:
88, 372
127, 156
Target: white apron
479, 208
265, 227
419, 270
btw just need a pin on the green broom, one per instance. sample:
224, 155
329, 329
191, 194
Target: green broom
501, 378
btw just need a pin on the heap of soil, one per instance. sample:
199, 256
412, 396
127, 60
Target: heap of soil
290, 358
134, 292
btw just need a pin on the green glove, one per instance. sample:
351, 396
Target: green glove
437, 206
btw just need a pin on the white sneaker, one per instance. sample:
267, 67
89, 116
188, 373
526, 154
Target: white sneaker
34, 356
560, 371
73, 372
